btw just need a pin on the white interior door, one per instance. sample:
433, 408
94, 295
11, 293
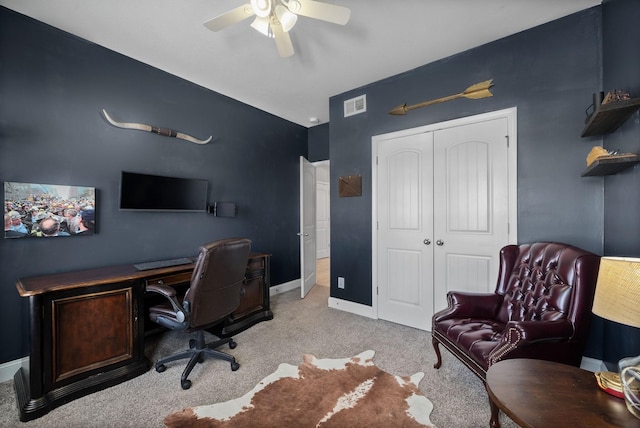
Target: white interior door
323, 231
307, 232
471, 206
405, 230
443, 208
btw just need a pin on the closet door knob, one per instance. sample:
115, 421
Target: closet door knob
427, 241
439, 242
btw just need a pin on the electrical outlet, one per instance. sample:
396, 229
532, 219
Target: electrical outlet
340, 282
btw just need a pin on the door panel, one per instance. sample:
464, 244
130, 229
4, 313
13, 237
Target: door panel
404, 222
322, 220
468, 272
471, 206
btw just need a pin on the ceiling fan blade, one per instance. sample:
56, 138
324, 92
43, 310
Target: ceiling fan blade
229, 18
283, 41
318, 10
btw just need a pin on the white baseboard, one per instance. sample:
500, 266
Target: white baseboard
8, 369
335, 303
354, 308
287, 286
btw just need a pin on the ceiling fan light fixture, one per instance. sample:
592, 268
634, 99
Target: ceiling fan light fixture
263, 26
286, 18
262, 8
293, 5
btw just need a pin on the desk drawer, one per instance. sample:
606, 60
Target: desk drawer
170, 280
255, 267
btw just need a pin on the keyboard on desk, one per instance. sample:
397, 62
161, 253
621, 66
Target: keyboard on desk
162, 263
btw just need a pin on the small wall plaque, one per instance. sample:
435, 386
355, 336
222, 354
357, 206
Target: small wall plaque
349, 186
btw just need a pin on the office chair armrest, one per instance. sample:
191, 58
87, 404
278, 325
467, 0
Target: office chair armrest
165, 290
182, 313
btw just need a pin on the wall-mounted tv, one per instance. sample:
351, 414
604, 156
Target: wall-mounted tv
147, 192
34, 210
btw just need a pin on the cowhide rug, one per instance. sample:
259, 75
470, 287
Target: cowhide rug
347, 392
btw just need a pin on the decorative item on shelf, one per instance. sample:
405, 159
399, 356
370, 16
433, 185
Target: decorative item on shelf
474, 92
613, 159
616, 95
595, 153
599, 153
617, 299
597, 101
606, 114
148, 128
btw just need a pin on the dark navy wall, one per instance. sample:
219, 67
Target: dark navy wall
549, 73
621, 69
52, 88
318, 143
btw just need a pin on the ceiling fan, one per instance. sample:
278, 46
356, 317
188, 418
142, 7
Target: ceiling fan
274, 18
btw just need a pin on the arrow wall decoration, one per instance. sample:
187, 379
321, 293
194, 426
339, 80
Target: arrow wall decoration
474, 92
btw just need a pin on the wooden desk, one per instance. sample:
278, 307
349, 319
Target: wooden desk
87, 328
536, 393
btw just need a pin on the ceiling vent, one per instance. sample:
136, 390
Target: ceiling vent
355, 105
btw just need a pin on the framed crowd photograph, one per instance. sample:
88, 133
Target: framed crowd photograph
34, 210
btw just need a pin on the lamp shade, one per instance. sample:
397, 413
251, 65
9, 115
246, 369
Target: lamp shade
617, 295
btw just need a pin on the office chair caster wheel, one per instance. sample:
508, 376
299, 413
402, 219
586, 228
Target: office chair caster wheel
186, 384
232, 345
234, 366
192, 343
160, 368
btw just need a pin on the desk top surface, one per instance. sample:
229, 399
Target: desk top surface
35, 285
536, 393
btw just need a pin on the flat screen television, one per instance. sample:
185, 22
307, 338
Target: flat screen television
146, 192
34, 210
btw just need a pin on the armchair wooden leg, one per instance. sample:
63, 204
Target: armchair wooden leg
436, 348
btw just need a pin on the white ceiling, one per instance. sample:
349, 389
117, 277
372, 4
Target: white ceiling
383, 38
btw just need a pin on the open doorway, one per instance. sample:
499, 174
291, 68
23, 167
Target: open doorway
323, 224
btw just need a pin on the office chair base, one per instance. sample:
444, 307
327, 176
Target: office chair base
196, 354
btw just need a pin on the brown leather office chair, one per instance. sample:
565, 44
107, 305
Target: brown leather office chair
541, 309
214, 293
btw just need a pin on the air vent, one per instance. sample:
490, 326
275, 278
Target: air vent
355, 105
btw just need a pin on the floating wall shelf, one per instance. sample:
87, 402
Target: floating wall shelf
610, 165
608, 117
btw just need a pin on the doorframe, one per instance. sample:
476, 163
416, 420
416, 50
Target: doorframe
317, 164
511, 114
304, 163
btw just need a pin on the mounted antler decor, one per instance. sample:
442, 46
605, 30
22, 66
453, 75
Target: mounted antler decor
161, 131
474, 92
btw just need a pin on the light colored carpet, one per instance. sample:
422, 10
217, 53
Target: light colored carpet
299, 327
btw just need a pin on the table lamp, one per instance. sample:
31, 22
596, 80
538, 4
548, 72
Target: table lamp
617, 299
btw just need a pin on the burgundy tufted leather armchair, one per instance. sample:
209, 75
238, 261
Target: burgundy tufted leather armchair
541, 309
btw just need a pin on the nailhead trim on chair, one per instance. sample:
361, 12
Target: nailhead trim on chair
502, 350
